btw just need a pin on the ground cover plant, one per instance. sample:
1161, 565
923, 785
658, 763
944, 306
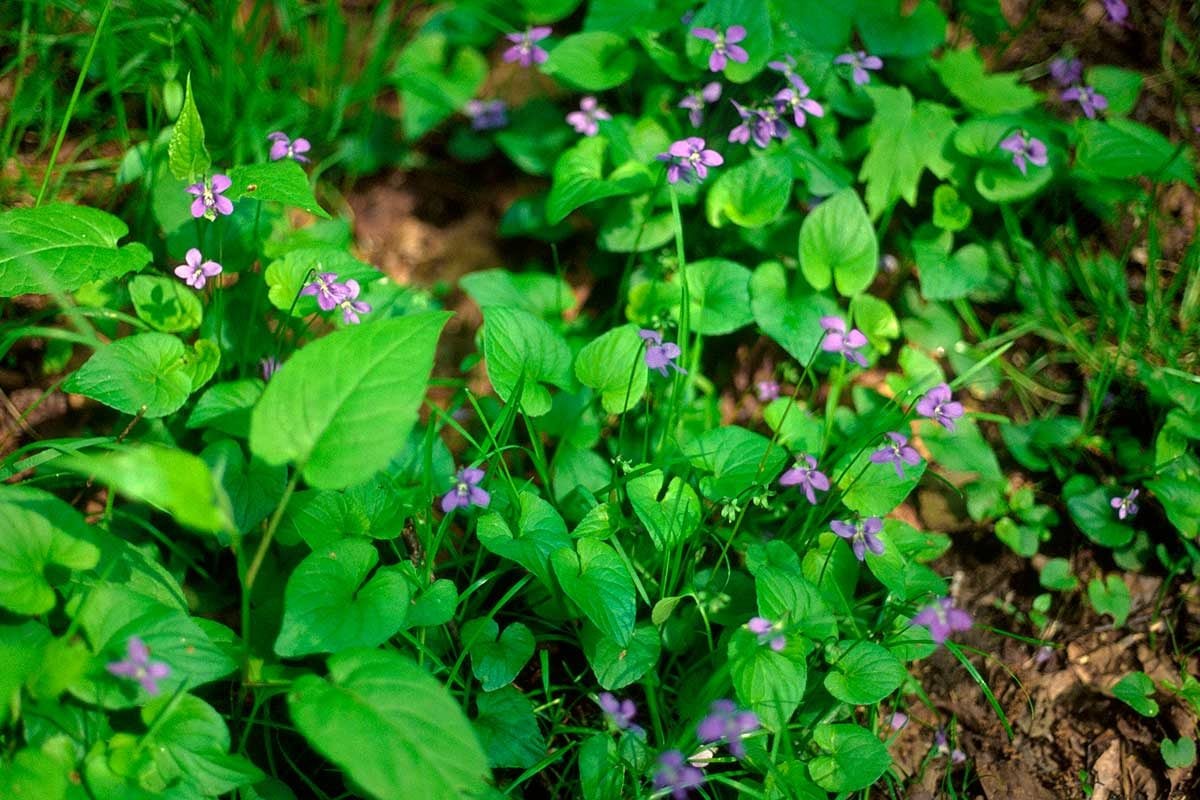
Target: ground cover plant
597, 398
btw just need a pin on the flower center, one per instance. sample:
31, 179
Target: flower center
463, 488
209, 199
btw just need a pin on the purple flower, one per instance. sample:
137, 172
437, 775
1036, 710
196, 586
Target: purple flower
268, 367
1023, 146
807, 477
209, 201
487, 115
939, 406
1066, 71
698, 99
1088, 98
767, 633
587, 119
788, 68
524, 51
724, 721
283, 147
768, 390
897, 453
660, 355
942, 619
677, 775
620, 713
795, 98
687, 157
898, 720
863, 535
351, 307
1125, 506
761, 125
197, 271
1118, 12
137, 666
860, 63
466, 491
724, 47
328, 291
837, 340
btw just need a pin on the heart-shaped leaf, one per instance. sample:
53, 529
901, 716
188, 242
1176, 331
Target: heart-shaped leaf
596, 578
865, 673
496, 660
671, 520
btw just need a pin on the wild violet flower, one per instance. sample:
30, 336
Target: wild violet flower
268, 367
724, 721
327, 290
587, 119
197, 271
487, 115
620, 713
897, 452
838, 340
897, 720
466, 491
862, 534
768, 390
695, 102
524, 51
860, 62
1022, 146
767, 633
676, 774
137, 666
938, 405
283, 147
659, 354
1117, 11
761, 125
725, 48
687, 157
1125, 506
209, 198
796, 100
943, 619
788, 68
352, 307
1088, 98
1066, 71
804, 473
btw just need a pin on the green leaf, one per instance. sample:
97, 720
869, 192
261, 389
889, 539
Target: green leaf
286, 276
1094, 515
226, 407
343, 405
596, 578
333, 601
148, 370
737, 460
601, 770
1179, 754
433, 82
174, 481
754, 16
59, 247
618, 665
856, 758
165, 304
876, 319
838, 244
769, 683
875, 489
1110, 597
614, 366
1056, 575
864, 674
254, 488
592, 62
508, 729
190, 745
35, 773
540, 532
790, 316
31, 543
905, 140
1136, 690
579, 179
887, 31
1120, 87
671, 520
1002, 92
752, 194
949, 212
521, 349
946, 275
280, 181
719, 293
186, 155
393, 729
497, 658
545, 296
1121, 148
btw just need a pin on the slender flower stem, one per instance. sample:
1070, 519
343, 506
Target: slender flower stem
265, 542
